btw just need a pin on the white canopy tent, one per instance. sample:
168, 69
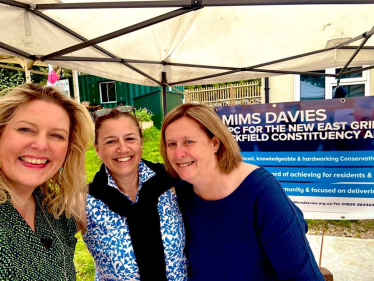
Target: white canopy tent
191, 42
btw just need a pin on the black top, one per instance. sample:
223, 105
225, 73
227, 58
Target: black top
29, 255
142, 218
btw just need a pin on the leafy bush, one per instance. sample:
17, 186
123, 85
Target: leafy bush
38, 78
144, 114
10, 78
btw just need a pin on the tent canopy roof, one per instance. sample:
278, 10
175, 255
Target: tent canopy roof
194, 42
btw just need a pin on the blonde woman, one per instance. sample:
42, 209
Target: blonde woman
43, 138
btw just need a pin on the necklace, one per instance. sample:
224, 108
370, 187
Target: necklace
58, 239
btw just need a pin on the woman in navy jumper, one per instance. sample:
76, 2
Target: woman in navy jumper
240, 223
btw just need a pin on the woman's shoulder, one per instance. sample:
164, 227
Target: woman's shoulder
256, 182
245, 169
241, 173
255, 173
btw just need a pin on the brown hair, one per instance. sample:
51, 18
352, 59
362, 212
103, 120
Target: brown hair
63, 190
115, 114
228, 154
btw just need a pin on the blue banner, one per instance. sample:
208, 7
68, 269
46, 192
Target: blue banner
321, 151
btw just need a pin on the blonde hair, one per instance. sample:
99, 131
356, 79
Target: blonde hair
228, 154
62, 193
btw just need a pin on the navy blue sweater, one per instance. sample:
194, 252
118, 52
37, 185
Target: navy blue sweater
255, 233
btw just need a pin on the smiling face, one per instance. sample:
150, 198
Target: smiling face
190, 151
34, 144
119, 145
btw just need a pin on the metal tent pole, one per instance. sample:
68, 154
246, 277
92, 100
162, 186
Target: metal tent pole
164, 93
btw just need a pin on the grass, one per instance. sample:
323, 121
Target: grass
151, 145
93, 163
364, 225
84, 263
344, 223
83, 260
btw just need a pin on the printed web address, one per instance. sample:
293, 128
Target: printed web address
313, 211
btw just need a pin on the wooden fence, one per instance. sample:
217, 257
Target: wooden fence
234, 94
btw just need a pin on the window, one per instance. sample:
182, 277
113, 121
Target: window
108, 92
310, 87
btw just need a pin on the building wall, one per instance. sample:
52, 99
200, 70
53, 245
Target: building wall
281, 88
130, 94
126, 92
153, 102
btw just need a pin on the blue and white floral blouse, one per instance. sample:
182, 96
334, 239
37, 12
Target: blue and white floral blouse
108, 238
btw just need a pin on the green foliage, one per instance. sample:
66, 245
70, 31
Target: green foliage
93, 163
67, 72
84, 263
10, 78
151, 144
39, 78
369, 224
144, 114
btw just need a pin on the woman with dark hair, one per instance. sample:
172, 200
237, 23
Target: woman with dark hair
134, 226
240, 223
43, 138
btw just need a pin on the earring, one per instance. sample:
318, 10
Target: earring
61, 169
